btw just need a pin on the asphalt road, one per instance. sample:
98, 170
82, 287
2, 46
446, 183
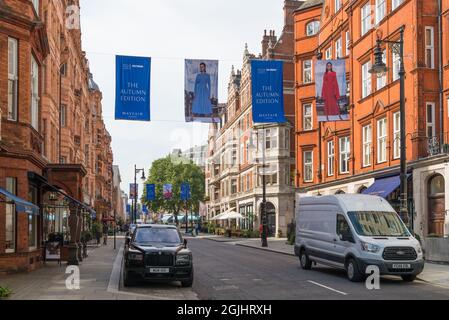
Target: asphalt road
224, 271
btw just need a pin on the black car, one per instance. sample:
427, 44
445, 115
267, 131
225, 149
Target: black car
157, 253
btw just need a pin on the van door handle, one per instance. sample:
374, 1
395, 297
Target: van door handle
335, 240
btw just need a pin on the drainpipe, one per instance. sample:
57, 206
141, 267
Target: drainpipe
440, 70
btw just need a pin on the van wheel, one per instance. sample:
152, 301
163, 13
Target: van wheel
353, 272
306, 263
408, 277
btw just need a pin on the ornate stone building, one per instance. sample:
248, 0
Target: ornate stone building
55, 151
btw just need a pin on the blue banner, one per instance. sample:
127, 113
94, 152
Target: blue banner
145, 210
128, 209
268, 91
133, 190
132, 101
151, 192
185, 191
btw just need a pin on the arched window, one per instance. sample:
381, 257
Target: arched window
312, 28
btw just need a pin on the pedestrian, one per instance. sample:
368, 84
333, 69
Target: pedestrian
261, 232
105, 234
197, 228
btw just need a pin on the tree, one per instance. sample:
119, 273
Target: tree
167, 171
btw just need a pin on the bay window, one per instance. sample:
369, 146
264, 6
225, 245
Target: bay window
34, 94
381, 7
13, 77
339, 48
430, 47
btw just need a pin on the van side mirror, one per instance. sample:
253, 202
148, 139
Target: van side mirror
185, 243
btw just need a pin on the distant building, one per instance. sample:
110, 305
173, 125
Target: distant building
117, 198
196, 154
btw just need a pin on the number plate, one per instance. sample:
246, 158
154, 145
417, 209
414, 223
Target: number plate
159, 270
402, 266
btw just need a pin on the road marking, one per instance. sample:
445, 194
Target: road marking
328, 288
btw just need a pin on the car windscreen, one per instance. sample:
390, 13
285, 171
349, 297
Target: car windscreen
157, 235
378, 224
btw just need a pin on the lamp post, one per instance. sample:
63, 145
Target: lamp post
264, 234
379, 68
136, 171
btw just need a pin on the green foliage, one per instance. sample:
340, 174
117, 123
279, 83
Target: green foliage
169, 171
96, 228
5, 292
86, 236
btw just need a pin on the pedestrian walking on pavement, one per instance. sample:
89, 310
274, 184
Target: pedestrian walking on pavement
105, 233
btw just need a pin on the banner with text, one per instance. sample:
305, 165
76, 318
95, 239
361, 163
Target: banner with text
185, 191
201, 91
332, 103
267, 78
151, 192
133, 81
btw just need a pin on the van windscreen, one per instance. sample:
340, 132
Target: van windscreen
378, 224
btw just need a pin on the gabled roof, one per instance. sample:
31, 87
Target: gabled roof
309, 4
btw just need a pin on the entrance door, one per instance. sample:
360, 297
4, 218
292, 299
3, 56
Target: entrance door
437, 206
271, 219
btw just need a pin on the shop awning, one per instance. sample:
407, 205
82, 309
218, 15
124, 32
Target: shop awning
21, 205
384, 187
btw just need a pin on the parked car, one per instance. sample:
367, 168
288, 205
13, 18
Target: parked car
352, 232
157, 253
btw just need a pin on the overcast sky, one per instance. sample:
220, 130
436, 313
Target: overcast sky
168, 31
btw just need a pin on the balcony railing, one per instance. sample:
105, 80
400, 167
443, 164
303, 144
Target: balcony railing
437, 145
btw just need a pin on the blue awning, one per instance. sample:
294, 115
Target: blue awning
384, 187
21, 205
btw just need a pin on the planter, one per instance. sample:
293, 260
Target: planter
437, 249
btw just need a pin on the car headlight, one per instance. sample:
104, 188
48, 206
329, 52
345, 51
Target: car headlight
369, 247
182, 259
419, 249
135, 256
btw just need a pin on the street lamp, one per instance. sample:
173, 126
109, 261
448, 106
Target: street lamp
136, 171
379, 68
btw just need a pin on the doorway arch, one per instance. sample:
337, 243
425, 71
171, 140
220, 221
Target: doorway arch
436, 205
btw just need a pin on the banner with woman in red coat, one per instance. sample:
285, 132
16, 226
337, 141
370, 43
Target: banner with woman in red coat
331, 91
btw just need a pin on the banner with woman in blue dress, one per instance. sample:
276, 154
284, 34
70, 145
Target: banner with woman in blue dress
201, 91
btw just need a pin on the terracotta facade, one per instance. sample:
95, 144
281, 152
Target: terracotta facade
52, 130
372, 132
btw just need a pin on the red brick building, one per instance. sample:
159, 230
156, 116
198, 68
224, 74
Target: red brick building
54, 148
351, 156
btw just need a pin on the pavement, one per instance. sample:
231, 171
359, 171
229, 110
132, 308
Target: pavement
100, 279
437, 274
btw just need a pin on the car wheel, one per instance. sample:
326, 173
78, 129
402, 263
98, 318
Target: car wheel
353, 271
408, 277
188, 283
306, 263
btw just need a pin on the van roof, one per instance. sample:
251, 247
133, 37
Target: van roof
349, 202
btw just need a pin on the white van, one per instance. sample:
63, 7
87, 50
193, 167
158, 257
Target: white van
352, 232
